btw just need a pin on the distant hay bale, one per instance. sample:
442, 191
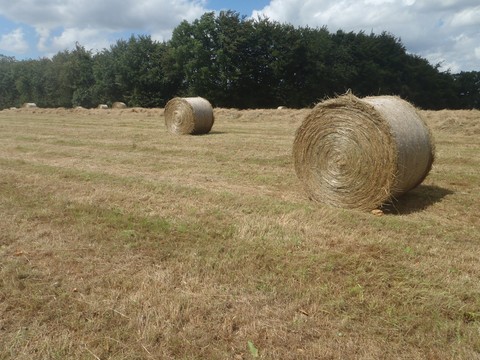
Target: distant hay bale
281, 107
102, 106
191, 115
361, 153
119, 105
29, 105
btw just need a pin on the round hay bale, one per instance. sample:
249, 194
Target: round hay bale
102, 106
281, 107
29, 105
191, 115
361, 153
119, 105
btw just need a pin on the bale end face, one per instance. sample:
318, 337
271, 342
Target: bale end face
351, 153
189, 116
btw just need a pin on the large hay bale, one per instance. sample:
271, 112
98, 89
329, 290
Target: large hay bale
362, 153
191, 115
29, 105
119, 105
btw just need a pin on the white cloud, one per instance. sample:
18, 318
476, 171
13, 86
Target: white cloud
467, 17
43, 38
442, 31
111, 14
73, 35
14, 42
94, 23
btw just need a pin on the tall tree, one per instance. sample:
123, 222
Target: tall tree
131, 71
106, 86
81, 64
194, 53
467, 85
30, 80
8, 91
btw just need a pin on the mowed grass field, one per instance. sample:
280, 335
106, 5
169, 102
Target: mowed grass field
119, 240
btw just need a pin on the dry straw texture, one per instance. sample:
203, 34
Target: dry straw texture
361, 153
191, 115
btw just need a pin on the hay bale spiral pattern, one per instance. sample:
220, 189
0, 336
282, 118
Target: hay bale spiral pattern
191, 115
360, 153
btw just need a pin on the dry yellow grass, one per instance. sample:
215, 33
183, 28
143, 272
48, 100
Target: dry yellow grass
119, 240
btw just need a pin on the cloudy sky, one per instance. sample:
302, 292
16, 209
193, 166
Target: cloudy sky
442, 31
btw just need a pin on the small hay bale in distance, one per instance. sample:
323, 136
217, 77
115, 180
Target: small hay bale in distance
102, 106
29, 105
189, 116
361, 153
119, 105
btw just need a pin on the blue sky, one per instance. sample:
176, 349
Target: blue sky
442, 31
244, 7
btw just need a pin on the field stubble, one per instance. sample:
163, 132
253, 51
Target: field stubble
119, 240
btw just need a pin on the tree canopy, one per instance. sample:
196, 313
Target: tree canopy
236, 62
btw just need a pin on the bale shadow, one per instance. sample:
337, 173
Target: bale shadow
416, 200
213, 132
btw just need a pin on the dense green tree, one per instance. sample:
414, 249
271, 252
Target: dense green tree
425, 86
194, 56
230, 57
30, 79
59, 80
8, 92
139, 71
106, 87
131, 71
81, 64
467, 86
67, 78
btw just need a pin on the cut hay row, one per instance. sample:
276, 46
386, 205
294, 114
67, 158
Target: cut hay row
361, 153
191, 115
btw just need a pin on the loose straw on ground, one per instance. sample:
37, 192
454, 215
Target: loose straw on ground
191, 115
362, 153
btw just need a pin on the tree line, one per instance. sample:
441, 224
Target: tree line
236, 62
